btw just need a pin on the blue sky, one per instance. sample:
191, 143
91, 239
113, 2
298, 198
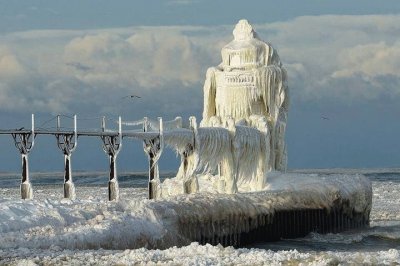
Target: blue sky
342, 57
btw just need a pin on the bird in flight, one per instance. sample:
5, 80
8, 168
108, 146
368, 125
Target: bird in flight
325, 118
131, 97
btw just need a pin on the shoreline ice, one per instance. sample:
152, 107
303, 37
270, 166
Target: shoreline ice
195, 254
91, 222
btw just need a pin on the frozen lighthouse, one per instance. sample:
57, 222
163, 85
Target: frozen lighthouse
249, 86
241, 135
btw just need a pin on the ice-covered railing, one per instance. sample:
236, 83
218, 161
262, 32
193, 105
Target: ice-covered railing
150, 132
232, 155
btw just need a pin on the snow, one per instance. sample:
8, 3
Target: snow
84, 223
93, 222
195, 254
294, 190
91, 230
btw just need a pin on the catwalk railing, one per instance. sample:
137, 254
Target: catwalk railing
151, 133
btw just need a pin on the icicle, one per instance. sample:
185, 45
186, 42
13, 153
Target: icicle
209, 95
168, 125
133, 123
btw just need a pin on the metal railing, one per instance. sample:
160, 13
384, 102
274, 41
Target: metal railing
151, 134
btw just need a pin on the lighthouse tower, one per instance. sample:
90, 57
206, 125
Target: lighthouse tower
249, 85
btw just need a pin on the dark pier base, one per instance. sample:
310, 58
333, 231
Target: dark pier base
283, 224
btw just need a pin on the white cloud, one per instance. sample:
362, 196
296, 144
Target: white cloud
10, 67
92, 67
370, 60
344, 57
146, 59
337, 57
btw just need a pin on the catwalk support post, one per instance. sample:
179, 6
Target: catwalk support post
191, 184
67, 143
24, 142
154, 148
112, 145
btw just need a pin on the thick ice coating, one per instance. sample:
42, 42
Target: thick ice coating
241, 136
91, 222
250, 81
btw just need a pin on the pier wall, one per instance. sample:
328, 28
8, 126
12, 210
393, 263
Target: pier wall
327, 206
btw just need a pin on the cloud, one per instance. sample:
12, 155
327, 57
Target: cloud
341, 58
10, 67
346, 58
146, 59
370, 60
79, 71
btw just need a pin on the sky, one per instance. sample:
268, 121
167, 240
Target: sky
83, 57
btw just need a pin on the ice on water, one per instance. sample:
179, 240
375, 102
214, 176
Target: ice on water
91, 229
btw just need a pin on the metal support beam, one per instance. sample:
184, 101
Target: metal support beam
67, 143
24, 142
153, 148
190, 183
112, 146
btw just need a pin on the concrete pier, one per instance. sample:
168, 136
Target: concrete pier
243, 230
327, 206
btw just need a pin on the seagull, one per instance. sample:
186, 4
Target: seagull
79, 66
131, 97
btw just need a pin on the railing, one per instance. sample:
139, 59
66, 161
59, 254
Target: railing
151, 134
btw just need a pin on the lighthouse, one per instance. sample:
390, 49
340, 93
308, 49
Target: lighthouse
250, 85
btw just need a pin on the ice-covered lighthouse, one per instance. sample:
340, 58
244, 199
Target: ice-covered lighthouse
241, 135
250, 87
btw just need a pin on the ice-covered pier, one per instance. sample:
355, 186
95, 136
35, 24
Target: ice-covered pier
293, 206
231, 187
288, 206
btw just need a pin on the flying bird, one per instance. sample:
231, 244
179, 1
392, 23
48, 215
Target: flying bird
79, 66
325, 118
131, 97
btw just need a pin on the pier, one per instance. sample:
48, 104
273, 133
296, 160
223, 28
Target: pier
238, 219
151, 134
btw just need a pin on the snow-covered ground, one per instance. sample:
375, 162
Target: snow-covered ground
93, 231
195, 254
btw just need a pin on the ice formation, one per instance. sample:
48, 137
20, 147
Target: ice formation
241, 135
91, 222
250, 83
